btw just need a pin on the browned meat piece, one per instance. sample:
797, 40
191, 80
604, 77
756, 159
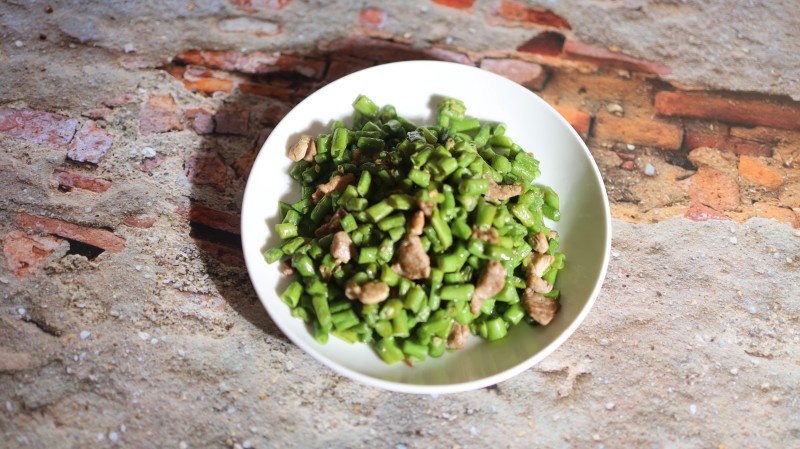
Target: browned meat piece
538, 284
539, 307
337, 183
286, 267
539, 263
300, 148
352, 291
373, 292
342, 247
426, 207
539, 242
332, 225
458, 336
497, 193
417, 223
491, 282
487, 235
412, 262
312, 151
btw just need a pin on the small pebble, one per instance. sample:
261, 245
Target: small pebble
231, 410
71, 45
148, 152
693, 409
753, 310
604, 342
434, 395
113, 436
88, 209
101, 436
9, 406
610, 405
183, 445
144, 335
473, 431
733, 240
129, 48
85, 334
18, 43
400, 446
615, 109
181, 353
122, 428
21, 310
614, 253
138, 268
649, 170
734, 371
631, 147
153, 341
247, 444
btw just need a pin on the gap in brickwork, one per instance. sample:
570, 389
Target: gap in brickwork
83, 249
202, 232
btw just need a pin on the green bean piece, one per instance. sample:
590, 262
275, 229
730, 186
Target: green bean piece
384, 328
419, 177
321, 209
396, 233
367, 255
400, 325
286, 230
303, 264
415, 351
371, 144
344, 320
462, 292
389, 276
379, 211
273, 255
485, 214
320, 304
388, 350
473, 187
436, 347
366, 107
443, 231
551, 212
496, 329
401, 201
291, 295
514, 314
390, 309
392, 221
415, 299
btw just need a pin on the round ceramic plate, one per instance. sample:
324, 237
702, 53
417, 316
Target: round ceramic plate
415, 88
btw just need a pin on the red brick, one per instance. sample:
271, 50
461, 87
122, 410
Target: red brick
257, 63
255, 5
91, 236
442, 54
374, 18
649, 133
627, 165
528, 74
90, 144
275, 112
37, 126
764, 134
201, 120
701, 212
209, 85
207, 169
149, 164
781, 214
370, 49
223, 253
339, 68
517, 11
25, 253
548, 43
102, 113
223, 221
758, 173
143, 221
580, 120
264, 90
784, 114
697, 138
712, 188
119, 101
606, 58
458, 4
232, 121
80, 181
158, 115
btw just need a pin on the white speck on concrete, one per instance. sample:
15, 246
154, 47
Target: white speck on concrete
247, 444
183, 445
85, 334
231, 410
614, 253
733, 240
649, 170
144, 335
148, 152
630, 147
101, 436
435, 395
123, 428
9, 406
604, 342
113, 436
88, 209
153, 341
610, 405
400, 446
693, 409
138, 268
18, 43
753, 310
71, 45
181, 352
21, 311
473, 432
734, 371
129, 48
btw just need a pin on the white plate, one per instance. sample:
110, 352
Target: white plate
414, 88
